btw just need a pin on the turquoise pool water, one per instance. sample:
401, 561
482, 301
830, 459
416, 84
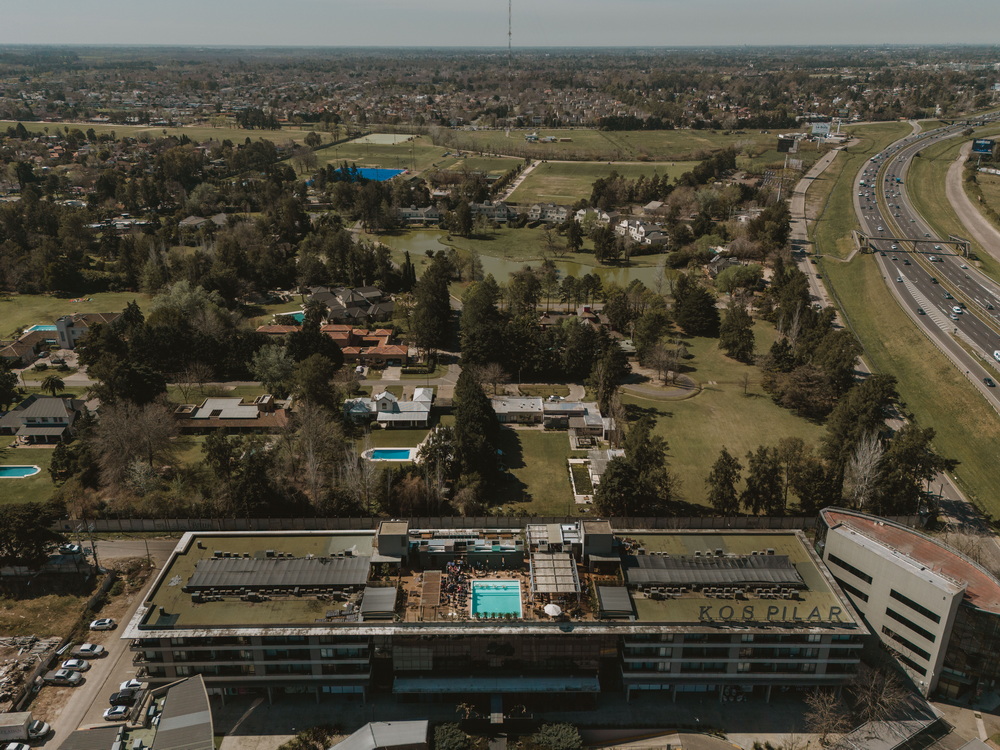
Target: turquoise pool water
296, 316
496, 597
391, 454
39, 328
18, 472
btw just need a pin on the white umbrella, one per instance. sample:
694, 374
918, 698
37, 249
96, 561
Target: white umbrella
553, 609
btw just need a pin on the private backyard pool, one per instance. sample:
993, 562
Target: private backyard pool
18, 472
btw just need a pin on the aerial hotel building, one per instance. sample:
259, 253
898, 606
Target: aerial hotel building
573, 609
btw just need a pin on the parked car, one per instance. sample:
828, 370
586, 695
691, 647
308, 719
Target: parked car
63, 677
105, 623
122, 698
132, 684
38, 729
76, 665
89, 651
17, 746
116, 713
70, 549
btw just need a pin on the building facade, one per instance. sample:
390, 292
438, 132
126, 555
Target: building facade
575, 610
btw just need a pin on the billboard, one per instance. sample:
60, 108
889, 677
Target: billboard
786, 145
979, 146
821, 129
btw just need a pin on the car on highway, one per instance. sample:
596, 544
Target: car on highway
882, 253
105, 623
920, 311
116, 713
936, 247
933, 280
934, 259
957, 310
906, 261
989, 382
895, 258
89, 651
953, 316
948, 296
899, 279
879, 229
76, 665
38, 729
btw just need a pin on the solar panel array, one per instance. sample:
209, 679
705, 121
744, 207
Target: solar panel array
729, 570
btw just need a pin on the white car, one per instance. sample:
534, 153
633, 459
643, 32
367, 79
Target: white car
16, 746
957, 310
132, 684
105, 623
116, 713
899, 279
70, 549
38, 729
76, 665
89, 650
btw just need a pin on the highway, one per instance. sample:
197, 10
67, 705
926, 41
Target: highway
956, 305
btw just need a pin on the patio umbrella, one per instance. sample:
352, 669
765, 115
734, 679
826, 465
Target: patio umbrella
553, 610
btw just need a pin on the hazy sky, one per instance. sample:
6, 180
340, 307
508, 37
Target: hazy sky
477, 23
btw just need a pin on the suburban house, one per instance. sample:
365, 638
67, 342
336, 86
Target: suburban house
598, 461
389, 411
582, 418
720, 263
511, 410
42, 420
25, 350
231, 415
642, 232
602, 217
71, 328
498, 211
420, 215
364, 347
357, 305
550, 213
582, 314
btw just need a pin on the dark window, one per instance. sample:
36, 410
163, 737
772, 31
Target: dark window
915, 628
857, 593
849, 568
910, 663
914, 606
904, 642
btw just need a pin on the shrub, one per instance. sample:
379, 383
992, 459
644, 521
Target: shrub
557, 737
450, 737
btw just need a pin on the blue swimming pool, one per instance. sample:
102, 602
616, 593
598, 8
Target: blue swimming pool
296, 316
377, 174
391, 454
496, 598
18, 472
30, 329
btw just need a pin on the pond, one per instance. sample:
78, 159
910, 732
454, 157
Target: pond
418, 242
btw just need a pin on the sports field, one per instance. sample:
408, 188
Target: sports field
567, 182
417, 155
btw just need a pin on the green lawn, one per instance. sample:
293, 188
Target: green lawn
543, 390
537, 459
931, 387
835, 188
698, 427
989, 184
22, 310
488, 164
188, 450
34, 376
417, 155
197, 133
34, 489
601, 145
566, 183
439, 371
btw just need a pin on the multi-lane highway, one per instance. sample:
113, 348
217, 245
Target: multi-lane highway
958, 307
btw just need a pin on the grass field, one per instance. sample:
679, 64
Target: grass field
197, 133
42, 616
537, 459
600, 145
22, 310
487, 164
417, 155
567, 182
834, 189
990, 185
34, 489
698, 427
932, 389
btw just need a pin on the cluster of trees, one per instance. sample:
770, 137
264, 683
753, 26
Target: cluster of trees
860, 463
638, 483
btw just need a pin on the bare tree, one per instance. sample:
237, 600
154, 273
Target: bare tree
127, 433
861, 473
358, 476
826, 714
492, 374
662, 359
192, 378
319, 438
877, 693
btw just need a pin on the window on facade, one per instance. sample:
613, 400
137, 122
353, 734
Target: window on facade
183, 671
919, 608
849, 568
922, 632
855, 592
814, 638
907, 643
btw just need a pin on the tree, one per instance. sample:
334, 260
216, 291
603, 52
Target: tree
878, 694
432, 309
826, 713
491, 374
481, 324
127, 432
461, 219
763, 493
638, 483
319, 440
736, 336
313, 381
557, 737
861, 412
721, 481
477, 430
574, 235
648, 330
861, 474
451, 737
26, 534
53, 384
909, 462
8, 386
609, 370
695, 310
274, 368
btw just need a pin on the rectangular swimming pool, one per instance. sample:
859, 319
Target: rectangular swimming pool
496, 598
390, 454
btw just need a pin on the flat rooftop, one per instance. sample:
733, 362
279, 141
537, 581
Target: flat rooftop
982, 590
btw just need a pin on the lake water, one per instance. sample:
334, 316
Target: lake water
420, 241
